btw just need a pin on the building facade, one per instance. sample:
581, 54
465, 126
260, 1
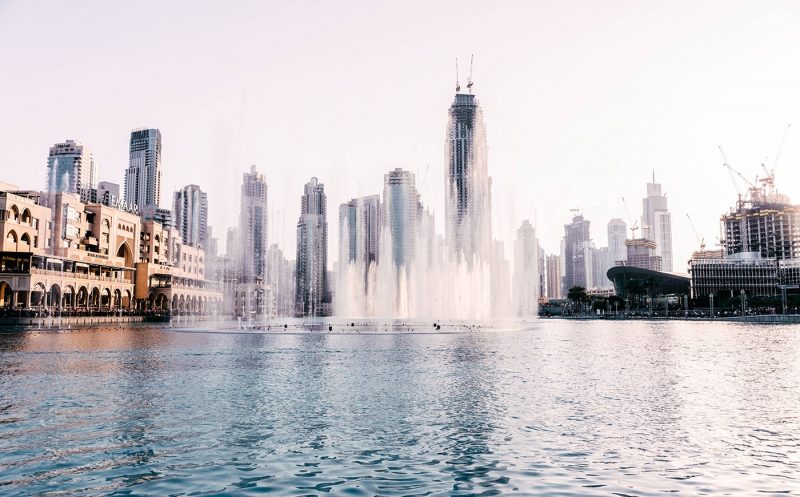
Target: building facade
190, 212
553, 268
71, 169
143, 176
400, 214
657, 223
251, 288
467, 200
525, 293
577, 255
617, 234
312, 296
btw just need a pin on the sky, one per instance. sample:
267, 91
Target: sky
584, 101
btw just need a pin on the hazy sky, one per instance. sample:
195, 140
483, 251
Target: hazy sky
582, 100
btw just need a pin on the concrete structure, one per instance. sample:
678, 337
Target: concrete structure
617, 234
312, 295
71, 169
143, 176
190, 212
577, 257
772, 229
400, 215
468, 232
525, 293
642, 254
657, 223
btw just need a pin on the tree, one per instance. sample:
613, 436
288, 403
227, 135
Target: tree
577, 294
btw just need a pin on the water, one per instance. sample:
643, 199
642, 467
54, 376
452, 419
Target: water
563, 408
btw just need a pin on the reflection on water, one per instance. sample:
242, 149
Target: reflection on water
563, 408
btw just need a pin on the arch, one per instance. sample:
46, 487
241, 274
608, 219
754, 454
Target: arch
37, 295
126, 253
181, 303
94, 298
174, 302
117, 299
53, 296
12, 237
82, 297
26, 216
106, 224
105, 298
14, 213
126, 299
6, 294
24, 241
68, 296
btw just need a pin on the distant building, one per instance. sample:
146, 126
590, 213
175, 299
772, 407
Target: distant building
154, 213
400, 214
526, 271
312, 296
771, 229
617, 234
190, 211
250, 295
143, 176
553, 268
108, 193
280, 278
657, 223
642, 254
600, 263
577, 245
71, 169
467, 184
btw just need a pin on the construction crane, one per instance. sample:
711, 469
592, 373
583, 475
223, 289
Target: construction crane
458, 85
701, 241
469, 79
634, 223
769, 179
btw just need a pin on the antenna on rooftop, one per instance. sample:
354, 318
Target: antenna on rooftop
469, 79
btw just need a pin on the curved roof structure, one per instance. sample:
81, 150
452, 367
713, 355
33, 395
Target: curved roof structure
655, 282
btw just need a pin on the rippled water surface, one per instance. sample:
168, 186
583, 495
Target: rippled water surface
562, 408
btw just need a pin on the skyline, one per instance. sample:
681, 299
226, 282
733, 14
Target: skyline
667, 115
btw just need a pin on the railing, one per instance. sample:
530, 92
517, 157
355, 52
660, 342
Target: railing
83, 276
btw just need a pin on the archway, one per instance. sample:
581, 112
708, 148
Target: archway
94, 298
68, 297
6, 294
24, 243
174, 303
117, 302
181, 303
126, 299
125, 252
105, 298
82, 299
26, 216
14, 213
54, 296
37, 295
11, 238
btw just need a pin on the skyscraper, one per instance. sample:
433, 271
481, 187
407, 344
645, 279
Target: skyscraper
553, 264
617, 233
401, 211
71, 169
312, 297
143, 176
359, 231
577, 253
252, 249
467, 201
526, 271
190, 212
657, 223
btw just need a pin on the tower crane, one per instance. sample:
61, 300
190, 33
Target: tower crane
458, 85
701, 241
469, 79
769, 179
634, 224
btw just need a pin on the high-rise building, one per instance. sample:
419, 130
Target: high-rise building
252, 249
771, 228
280, 278
190, 211
617, 234
642, 253
359, 231
526, 271
657, 223
71, 169
311, 296
468, 197
577, 255
553, 268
600, 262
143, 176
400, 213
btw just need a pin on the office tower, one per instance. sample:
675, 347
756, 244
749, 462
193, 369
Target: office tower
71, 169
577, 245
657, 223
617, 234
400, 213
359, 230
526, 271
600, 264
143, 176
253, 225
311, 296
553, 263
467, 182
108, 193
280, 279
190, 212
